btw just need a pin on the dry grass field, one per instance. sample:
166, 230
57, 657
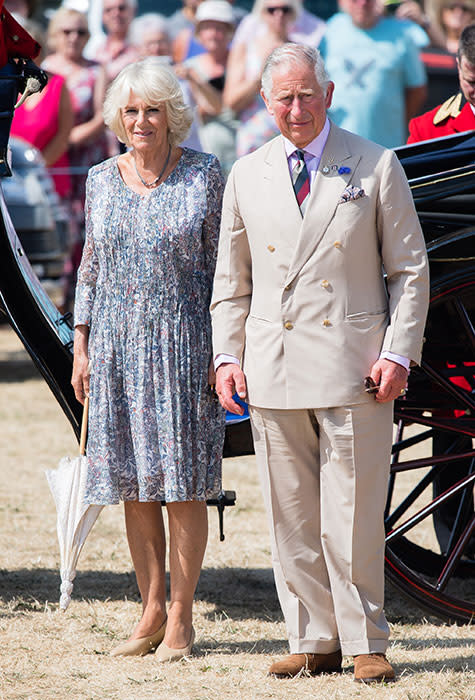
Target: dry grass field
49, 655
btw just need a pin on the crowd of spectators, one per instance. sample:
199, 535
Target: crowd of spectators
372, 51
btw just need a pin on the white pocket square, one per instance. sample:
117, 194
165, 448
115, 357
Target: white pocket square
351, 193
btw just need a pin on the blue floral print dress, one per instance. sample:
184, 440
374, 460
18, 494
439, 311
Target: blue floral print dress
156, 429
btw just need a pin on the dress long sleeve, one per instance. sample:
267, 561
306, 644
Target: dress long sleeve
212, 221
89, 268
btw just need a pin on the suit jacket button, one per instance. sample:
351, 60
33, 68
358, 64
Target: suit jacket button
325, 284
271, 248
337, 244
326, 322
288, 325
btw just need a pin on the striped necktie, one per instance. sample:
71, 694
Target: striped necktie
301, 181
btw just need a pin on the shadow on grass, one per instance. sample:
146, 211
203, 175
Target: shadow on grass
251, 591
458, 664
237, 593
17, 366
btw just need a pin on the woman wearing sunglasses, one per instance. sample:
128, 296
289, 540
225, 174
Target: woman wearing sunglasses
86, 80
243, 79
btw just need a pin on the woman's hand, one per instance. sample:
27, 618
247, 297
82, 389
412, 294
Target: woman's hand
80, 378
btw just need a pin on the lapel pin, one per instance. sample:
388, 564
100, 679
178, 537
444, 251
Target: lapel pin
334, 167
344, 170
325, 169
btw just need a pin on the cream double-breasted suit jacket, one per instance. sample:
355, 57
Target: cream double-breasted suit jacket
303, 302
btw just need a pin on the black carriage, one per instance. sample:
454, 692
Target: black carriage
434, 565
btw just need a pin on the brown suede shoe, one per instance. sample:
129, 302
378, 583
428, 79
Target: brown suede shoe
372, 668
293, 664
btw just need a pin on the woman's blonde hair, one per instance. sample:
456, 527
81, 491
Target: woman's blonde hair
57, 19
435, 10
154, 82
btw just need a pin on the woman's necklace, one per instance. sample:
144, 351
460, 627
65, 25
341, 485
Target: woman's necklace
157, 179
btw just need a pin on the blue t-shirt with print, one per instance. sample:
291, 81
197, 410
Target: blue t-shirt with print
371, 69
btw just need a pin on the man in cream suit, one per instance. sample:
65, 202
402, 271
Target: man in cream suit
301, 314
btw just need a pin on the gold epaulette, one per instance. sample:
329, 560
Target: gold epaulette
450, 108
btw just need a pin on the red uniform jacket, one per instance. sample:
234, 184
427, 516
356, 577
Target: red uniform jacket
15, 42
423, 127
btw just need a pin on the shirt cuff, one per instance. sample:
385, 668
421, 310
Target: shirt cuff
222, 358
399, 359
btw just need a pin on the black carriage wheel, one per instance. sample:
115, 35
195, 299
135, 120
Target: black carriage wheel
429, 517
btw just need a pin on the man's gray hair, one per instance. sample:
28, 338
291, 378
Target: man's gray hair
467, 44
294, 53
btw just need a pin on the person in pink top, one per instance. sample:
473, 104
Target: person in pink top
67, 36
44, 120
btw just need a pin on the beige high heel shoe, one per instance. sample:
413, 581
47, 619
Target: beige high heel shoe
141, 646
165, 653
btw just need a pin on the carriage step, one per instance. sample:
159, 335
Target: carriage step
223, 499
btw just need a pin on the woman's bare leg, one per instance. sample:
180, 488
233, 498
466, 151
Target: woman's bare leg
146, 537
188, 525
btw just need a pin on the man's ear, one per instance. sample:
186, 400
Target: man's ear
329, 94
267, 104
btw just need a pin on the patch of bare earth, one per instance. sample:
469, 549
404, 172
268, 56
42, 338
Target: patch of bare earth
49, 655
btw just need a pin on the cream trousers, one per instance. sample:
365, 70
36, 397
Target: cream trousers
324, 475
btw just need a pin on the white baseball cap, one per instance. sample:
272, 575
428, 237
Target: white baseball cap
217, 10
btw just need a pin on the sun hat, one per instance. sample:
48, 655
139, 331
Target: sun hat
217, 10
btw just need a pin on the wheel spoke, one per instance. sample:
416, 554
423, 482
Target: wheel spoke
411, 497
430, 461
423, 483
430, 508
455, 425
452, 389
400, 445
462, 512
466, 322
455, 555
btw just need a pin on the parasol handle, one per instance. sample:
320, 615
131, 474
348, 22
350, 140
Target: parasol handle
82, 441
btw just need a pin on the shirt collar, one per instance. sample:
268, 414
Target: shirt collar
315, 147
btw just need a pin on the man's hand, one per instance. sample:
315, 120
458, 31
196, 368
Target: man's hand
230, 379
391, 379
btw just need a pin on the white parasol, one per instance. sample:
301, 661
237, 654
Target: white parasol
74, 517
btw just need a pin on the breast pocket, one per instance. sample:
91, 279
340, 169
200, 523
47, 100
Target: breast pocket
354, 209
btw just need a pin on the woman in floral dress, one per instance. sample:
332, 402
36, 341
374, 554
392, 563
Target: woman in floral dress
143, 332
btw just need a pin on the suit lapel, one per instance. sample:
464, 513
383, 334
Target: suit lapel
284, 212
326, 192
